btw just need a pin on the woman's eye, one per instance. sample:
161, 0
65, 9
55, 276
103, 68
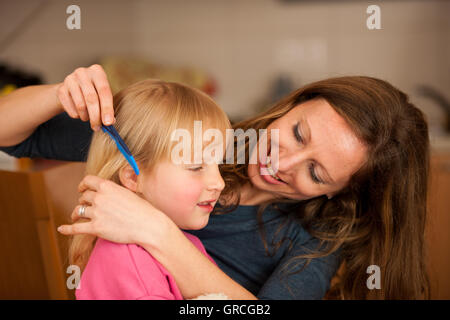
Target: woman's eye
196, 169
297, 133
299, 138
313, 175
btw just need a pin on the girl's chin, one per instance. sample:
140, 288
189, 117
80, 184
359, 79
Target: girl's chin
198, 224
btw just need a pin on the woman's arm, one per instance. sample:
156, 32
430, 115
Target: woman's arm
194, 273
24, 109
84, 94
119, 215
60, 138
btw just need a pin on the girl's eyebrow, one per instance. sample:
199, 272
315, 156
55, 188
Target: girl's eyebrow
307, 137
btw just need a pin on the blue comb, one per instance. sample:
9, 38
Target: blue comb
121, 146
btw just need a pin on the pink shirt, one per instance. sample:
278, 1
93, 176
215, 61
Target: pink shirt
127, 272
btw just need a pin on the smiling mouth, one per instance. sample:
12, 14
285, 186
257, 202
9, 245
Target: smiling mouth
268, 166
270, 170
207, 205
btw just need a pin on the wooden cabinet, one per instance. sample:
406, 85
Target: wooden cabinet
33, 203
438, 228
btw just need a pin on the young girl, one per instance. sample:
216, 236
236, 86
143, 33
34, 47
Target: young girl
147, 113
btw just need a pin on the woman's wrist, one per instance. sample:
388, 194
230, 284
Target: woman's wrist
49, 105
156, 241
55, 103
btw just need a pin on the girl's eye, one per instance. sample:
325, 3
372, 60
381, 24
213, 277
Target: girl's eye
196, 169
299, 138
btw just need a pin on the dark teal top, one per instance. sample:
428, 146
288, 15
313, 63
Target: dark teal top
233, 239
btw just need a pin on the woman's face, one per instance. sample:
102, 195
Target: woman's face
318, 153
177, 190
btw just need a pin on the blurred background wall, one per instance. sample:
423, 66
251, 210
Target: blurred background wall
244, 44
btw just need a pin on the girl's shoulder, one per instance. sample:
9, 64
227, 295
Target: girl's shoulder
124, 271
123, 255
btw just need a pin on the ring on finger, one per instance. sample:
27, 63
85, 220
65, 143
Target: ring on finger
82, 211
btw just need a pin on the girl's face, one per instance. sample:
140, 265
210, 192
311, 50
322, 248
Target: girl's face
177, 190
318, 153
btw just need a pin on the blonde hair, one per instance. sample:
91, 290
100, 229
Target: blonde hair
146, 113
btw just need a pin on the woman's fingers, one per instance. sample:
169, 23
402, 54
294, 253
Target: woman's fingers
86, 94
101, 84
66, 101
87, 198
88, 212
90, 97
77, 97
76, 228
116, 214
91, 182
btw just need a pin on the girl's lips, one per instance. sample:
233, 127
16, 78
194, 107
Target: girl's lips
207, 207
210, 201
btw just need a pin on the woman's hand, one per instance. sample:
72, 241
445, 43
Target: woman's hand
117, 214
86, 94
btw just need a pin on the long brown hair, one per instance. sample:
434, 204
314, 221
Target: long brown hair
147, 112
379, 217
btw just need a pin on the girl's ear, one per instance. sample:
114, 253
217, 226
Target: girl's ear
128, 178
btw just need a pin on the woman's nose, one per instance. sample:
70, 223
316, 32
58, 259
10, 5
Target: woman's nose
288, 161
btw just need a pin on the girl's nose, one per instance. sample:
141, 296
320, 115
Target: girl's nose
215, 180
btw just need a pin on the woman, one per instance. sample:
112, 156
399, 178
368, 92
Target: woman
351, 189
